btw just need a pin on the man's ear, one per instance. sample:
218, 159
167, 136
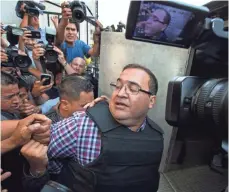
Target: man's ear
152, 101
65, 105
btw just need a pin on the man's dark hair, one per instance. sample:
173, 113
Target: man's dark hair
72, 85
8, 79
76, 24
167, 17
153, 84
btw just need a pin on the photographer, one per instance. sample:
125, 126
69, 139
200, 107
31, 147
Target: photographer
66, 37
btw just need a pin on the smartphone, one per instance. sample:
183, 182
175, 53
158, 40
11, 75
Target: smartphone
35, 35
47, 78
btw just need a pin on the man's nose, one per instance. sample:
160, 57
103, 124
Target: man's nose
122, 92
16, 100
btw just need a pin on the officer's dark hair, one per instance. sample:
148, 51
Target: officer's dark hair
153, 84
72, 85
8, 79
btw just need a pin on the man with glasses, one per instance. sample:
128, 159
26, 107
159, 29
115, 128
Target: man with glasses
156, 24
112, 146
9, 97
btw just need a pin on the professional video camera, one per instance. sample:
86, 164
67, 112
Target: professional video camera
14, 59
197, 102
32, 8
189, 99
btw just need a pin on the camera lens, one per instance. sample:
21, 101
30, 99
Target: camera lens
210, 102
22, 61
78, 14
51, 56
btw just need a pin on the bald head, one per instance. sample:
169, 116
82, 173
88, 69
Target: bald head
78, 64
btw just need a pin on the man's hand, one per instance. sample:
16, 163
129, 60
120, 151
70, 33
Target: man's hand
38, 51
2, 31
61, 57
66, 11
3, 56
36, 154
27, 108
33, 124
97, 33
3, 177
39, 88
101, 98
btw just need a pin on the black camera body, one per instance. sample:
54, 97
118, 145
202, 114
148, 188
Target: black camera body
16, 60
78, 11
194, 99
31, 7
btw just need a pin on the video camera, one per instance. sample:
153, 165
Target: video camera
32, 8
14, 59
189, 99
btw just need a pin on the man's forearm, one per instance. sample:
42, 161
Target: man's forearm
7, 128
60, 32
7, 145
95, 50
24, 22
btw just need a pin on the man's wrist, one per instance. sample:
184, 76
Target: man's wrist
37, 170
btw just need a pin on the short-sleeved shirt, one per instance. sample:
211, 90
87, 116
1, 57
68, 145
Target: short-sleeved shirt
79, 49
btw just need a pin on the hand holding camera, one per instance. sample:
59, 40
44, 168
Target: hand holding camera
66, 10
38, 51
3, 56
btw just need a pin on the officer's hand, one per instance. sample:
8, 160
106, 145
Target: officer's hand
66, 11
38, 51
101, 98
3, 56
36, 155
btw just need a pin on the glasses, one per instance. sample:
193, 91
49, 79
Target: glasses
131, 88
154, 18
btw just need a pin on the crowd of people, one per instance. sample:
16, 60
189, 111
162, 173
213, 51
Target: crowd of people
60, 132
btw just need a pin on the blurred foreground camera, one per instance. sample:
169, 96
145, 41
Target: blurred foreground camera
194, 99
14, 59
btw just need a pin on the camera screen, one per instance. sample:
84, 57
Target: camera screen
161, 22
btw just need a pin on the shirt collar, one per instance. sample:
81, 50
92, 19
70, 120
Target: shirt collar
142, 127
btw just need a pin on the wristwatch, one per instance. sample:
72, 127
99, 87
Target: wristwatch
37, 173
